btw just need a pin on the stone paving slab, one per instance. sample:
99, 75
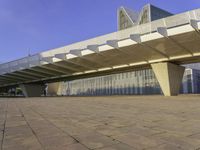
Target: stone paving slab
100, 123
95, 140
119, 146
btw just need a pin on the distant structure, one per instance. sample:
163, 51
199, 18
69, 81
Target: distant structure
128, 18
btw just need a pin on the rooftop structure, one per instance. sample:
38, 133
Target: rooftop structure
128, 18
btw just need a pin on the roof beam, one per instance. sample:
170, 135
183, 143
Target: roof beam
95, 48
79, 54
68, 70
40, 71
114, 45
71, 69
163, 31
194, 24
46, 70
20, 74
81, 65
53, 69
10, 77
64, 58
3, 80
3, 77
137, 38
20, 77
31, 73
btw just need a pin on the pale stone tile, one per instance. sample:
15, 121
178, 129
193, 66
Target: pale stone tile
77, 146
166, 147
138, 141
151, 122
56, 141
119, 146
95, 140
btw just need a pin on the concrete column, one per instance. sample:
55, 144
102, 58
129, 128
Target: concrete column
3, 91
53, 89
32, 90
169, 77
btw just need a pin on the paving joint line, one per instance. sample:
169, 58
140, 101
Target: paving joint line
78, 141
23, 116
193, 134
60, 129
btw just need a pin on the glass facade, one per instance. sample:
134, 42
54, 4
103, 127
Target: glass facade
145, 16
191, 81
136, 82
150, 13
157, 13
124, 21
128, 18
128, 83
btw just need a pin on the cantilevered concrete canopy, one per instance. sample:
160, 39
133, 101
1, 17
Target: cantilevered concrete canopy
174, 39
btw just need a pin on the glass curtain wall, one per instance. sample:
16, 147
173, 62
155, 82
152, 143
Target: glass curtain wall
128, 83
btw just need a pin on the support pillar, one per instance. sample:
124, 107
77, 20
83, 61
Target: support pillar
54, 89
32, 90
169, 77
3, 91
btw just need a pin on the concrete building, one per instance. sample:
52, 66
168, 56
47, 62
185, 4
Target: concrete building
128, 18
146, 55
191, 81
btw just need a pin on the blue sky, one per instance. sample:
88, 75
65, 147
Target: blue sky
32, 26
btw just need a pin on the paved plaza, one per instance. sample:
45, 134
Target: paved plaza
100, 123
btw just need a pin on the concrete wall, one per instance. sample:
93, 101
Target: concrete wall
32, 90
169, 77
53, 89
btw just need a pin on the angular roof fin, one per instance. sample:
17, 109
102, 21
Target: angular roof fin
126, 18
